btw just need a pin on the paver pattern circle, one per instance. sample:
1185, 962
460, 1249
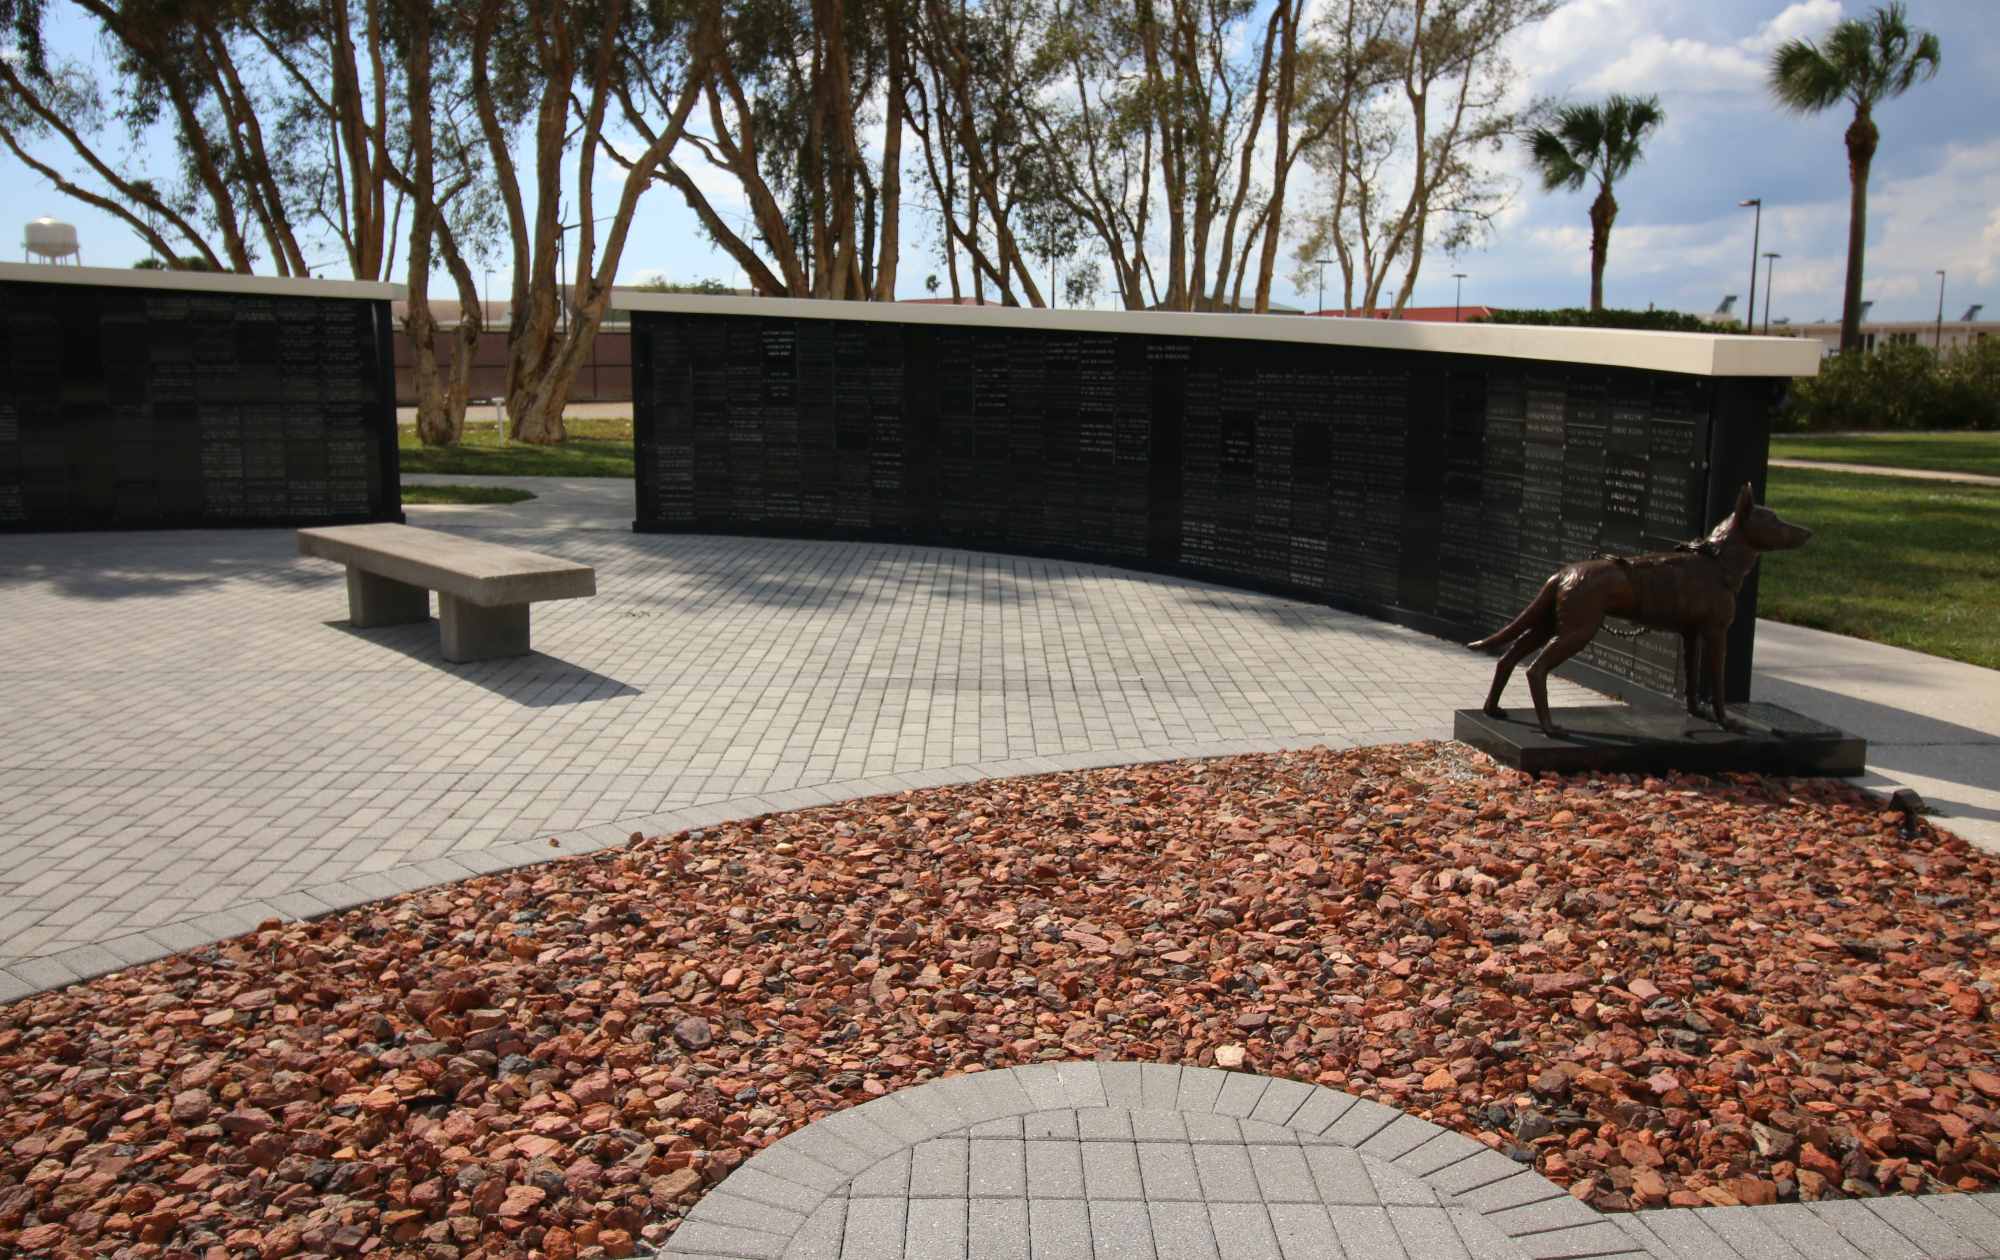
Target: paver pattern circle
1145, 1161
1138, 1161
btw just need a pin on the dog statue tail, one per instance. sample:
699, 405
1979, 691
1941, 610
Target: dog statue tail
1542, 607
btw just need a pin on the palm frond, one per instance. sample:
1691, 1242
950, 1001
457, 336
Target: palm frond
1628, 121
1864, 60
1581, 127
1803, 80
1920, 65
1552, 157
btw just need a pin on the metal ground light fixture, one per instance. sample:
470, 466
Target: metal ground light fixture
1938, 346
1321, 264
1770, 261
1756, 243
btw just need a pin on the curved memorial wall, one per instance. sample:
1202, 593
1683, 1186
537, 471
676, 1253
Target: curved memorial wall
1430, 474
168, 399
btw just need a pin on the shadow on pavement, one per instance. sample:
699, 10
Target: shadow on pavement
157, 564
534, 681
1900, 739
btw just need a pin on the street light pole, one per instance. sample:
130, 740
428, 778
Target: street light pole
1756, 243
1769, 261
1939, 347
1458, 301
1321, 263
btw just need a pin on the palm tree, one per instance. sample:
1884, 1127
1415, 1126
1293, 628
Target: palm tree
1867, 61
1602, 140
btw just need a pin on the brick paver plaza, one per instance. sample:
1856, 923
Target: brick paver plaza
196, 740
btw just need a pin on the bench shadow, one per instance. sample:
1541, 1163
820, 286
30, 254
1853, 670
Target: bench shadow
534, 681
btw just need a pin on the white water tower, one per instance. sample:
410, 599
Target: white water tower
51, 241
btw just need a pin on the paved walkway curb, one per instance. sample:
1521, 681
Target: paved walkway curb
1143, 1161
33, 975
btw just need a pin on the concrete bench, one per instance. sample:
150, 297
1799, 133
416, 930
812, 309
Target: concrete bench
483, 590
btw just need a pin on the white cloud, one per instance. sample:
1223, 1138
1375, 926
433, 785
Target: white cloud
1807, 20
1681, 241
1944, 218
1947, 216
1592, 47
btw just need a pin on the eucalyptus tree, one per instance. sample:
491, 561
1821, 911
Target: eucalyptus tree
1418, 91
190, 66
1601, 141
1861, 62
545, 74
789, 87
1150, 123
444, 179
989, 184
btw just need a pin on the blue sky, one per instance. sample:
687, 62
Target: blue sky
1680, 242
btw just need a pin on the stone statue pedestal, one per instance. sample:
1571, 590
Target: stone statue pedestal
1620, 739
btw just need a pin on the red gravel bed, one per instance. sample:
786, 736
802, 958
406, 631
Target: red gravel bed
1684, 992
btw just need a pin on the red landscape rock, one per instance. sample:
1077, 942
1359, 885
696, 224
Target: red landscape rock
1662, 992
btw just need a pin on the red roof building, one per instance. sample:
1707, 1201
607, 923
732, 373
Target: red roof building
1421, 314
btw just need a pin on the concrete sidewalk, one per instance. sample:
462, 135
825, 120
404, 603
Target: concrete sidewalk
1885, 470
1931, 724
573, 504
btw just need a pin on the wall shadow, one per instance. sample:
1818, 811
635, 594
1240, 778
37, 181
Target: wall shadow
163, 564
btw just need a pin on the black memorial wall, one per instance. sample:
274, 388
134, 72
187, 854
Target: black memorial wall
1438, 490
124, 407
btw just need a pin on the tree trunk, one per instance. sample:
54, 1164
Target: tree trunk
499, 141
532, 350
892, 171
1602, 212
434, 427
1222, 299
544, 403
465, 338
1287, 94
1862, 137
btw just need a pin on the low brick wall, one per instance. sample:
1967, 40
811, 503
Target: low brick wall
605, 377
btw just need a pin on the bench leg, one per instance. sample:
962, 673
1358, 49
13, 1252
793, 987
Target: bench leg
468, 632
373, 600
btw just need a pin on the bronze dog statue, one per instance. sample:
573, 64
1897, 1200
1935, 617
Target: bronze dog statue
1691, 590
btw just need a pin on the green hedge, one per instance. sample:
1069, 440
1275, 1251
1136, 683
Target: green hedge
1899, 387
1894, 387
1577, 317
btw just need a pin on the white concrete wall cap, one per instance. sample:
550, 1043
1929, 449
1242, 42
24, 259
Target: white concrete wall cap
1696, 354
202, 282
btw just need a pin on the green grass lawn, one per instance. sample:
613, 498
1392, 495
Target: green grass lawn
1945, 452
463, 494
596, 448
1911, 563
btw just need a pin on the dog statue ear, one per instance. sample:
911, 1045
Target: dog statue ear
1746, 500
